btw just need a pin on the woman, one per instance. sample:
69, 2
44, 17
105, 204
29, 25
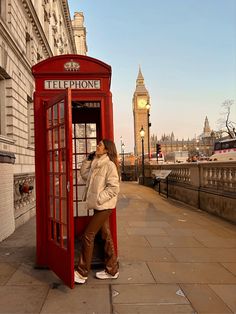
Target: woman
100, 171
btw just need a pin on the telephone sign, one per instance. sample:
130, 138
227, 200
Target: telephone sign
74, 84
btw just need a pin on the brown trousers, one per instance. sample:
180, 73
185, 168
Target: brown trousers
99, 221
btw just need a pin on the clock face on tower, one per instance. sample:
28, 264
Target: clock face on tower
142, 103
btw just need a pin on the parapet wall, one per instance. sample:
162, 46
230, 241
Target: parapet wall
209, 186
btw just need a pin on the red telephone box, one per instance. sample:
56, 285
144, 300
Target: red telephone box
73, 112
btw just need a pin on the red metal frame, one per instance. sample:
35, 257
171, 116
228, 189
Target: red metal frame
53, 69
57, 251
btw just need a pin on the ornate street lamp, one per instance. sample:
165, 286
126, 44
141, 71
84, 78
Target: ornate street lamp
148, 106
142, 134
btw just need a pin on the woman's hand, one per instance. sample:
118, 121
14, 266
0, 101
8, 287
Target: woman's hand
91, 156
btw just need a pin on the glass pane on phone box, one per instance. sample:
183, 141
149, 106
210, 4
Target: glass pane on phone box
63, 155
49, 139
51, 185
75, 208
63, 211
55, 138
63, 186
79, 130
49, 117
62, 136
55, 114
75, 161
62, 163
79, 178
50, 161
92, 145
61, 111
56, 162
81, 146
80, 159
51, 206
75, 145
75, 176
57, 203
91, 130
74, 193
57, 185
80, 192
64, 235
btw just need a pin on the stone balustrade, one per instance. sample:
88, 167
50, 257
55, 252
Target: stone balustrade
210, 186
217, 176
24, 197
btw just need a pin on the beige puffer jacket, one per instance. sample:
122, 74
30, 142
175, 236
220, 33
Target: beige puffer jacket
102, 183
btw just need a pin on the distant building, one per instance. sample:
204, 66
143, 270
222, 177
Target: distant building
206, 130
201, 145
140, 113
30, 31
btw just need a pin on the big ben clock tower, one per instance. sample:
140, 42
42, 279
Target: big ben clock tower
140, 111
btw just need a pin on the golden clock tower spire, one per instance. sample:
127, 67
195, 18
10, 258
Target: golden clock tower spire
140, 112
140, 79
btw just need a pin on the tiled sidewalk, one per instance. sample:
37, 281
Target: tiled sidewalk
173, 259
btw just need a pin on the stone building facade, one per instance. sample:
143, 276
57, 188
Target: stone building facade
30, 31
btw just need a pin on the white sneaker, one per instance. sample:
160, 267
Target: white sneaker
79, 278
104, 275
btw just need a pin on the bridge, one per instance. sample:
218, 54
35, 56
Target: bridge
174, 258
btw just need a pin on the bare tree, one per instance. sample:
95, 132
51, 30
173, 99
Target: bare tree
225, 121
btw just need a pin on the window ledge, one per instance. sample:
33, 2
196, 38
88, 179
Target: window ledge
31, 146
6, 139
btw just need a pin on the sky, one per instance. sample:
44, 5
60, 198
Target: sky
187, 53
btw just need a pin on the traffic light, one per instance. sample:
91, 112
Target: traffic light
158, 149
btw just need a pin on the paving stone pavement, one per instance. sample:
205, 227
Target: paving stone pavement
173, 259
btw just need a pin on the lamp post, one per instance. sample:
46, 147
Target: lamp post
123, 158
148, 106
121, 142
142, 134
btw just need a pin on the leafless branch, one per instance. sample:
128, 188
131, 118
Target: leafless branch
228, 124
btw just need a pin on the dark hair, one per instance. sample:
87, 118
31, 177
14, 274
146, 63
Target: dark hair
111, 152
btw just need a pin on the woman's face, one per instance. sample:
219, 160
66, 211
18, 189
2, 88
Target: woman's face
101, 150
